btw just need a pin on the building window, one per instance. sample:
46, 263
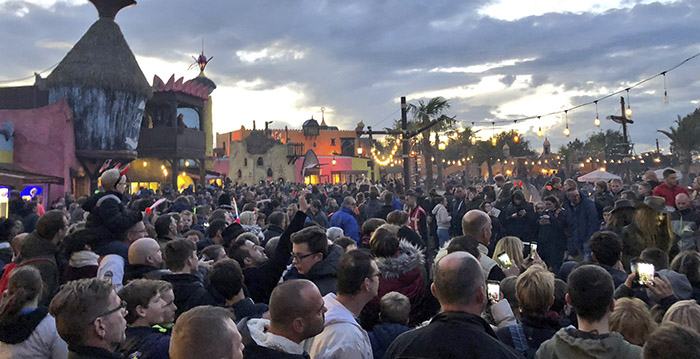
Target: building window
347, 146
269, 173
240, 174
332, 141
260, 161
245, 162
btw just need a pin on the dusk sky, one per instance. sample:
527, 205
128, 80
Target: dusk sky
494, 60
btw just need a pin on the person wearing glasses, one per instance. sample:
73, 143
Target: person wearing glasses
314, 259
90, 317
342, 336
345, 219
262, 274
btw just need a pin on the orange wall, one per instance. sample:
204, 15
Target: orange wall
323, 140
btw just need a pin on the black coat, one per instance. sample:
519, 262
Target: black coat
272, 230
324, 273
81, 352
537, 331
263, 279
150, 342
451, 335
521, 227
109, 218
383, 212
138, 271
191, 292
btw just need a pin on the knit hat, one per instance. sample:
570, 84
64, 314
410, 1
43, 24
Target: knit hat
520, 193
110, 178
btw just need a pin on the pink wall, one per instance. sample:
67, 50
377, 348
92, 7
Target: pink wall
45, 142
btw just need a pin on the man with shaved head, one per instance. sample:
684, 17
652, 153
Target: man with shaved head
458, 330
145, 260
685, 223
477, 224
206, 332
291, 321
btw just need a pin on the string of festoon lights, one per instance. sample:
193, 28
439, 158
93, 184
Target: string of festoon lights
596, 121
385, 161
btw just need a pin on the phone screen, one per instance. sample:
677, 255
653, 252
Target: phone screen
533, 247
645, 273
505, 260
494, 291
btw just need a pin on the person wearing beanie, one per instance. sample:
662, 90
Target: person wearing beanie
518, 217
109, 217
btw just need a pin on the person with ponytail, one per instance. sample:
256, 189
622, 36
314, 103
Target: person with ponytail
26, 329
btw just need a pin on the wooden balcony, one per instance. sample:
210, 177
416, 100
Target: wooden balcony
171, 142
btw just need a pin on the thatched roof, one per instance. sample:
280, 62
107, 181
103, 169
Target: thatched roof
101, 59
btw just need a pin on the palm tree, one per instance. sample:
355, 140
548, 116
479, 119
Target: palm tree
423, 113
685, 139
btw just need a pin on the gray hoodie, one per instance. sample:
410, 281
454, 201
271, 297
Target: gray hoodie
442, 218
565, 345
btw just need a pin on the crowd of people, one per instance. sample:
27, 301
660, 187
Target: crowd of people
358, 270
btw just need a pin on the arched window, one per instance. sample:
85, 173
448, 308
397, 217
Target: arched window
260, 161
269, 173
245, 162
240, 174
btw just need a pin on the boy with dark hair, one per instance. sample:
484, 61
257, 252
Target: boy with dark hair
606, 251
314, 259
226, 277
145, 308
590, 290
190, 291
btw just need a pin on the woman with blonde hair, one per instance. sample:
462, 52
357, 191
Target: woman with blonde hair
632, 319
685, 313
248, 220
512, 246
651, 228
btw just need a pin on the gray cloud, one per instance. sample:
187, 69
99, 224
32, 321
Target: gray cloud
355, 54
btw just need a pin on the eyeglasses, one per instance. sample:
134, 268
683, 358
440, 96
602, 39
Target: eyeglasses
121, 306
299, 257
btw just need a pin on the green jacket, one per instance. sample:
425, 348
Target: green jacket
564, 345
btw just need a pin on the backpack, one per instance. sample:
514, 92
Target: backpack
10, 267
521, 341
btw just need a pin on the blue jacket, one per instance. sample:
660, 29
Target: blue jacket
383, 334
583, 218
345, 219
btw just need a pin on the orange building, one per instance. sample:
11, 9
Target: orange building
322, 139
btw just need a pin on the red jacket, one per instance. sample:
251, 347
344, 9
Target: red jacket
668, 193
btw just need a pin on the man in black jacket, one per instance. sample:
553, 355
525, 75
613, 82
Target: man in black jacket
276, 226
262, 274
458, 329
190, 291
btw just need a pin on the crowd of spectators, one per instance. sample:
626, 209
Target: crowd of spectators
359, 270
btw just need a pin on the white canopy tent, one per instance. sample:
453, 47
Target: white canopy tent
597, 175
660, 173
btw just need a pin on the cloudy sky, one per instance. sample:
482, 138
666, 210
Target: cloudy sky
494, 60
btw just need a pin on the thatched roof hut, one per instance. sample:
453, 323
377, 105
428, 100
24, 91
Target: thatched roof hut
104, 86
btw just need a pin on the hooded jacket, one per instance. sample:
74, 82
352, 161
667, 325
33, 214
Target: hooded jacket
345, 219
31, 335
324, 273
383, 334
568, 343
441, 216
402, 274
583, 220
261, 344
109, 217
342, 336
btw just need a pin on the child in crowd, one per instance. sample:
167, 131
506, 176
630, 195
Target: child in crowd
394, 310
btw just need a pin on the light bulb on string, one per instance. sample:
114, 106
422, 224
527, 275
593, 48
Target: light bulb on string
516, 138
566, 130
539, 130
665, 91
596, 122
628, 112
